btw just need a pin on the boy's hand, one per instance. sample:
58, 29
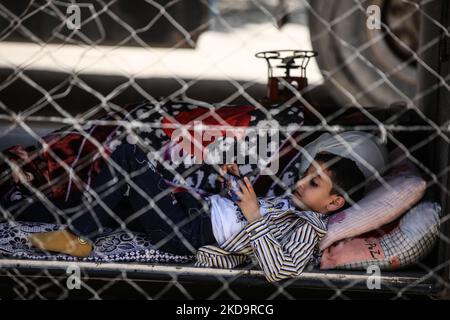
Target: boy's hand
20, 176
231, 167
248, 201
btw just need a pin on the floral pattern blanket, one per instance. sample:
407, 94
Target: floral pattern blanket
112, 246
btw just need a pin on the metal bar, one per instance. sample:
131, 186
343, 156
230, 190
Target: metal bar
414, 283
433, 104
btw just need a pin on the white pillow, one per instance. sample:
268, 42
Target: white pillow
363, 148
401, 189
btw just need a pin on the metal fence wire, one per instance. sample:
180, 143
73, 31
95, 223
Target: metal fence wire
113, 111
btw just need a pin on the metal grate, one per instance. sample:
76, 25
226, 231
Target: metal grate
80, 68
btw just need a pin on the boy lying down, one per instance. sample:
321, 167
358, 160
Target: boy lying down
282, 233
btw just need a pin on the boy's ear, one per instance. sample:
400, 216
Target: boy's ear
335, 204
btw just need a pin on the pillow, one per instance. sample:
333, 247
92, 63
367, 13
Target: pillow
396, 245
401, 188
363, 148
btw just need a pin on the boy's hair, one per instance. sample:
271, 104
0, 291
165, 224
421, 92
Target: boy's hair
346, 177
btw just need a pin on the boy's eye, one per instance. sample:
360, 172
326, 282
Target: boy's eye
312, 183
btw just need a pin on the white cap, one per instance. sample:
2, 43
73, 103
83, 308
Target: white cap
362, 147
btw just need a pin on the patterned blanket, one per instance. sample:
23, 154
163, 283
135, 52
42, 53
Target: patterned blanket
116, 246
84, 150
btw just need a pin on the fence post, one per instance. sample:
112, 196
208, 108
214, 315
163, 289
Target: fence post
436, 106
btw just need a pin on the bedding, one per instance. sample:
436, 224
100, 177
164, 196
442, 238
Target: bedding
396, 245
84, 151
112, 246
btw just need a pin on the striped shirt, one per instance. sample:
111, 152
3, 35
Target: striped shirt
283, 241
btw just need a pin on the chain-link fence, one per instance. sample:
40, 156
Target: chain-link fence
118, 118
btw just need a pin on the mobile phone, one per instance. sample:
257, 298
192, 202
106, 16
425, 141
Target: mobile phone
231, 185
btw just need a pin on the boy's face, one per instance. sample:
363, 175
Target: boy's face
312, 191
